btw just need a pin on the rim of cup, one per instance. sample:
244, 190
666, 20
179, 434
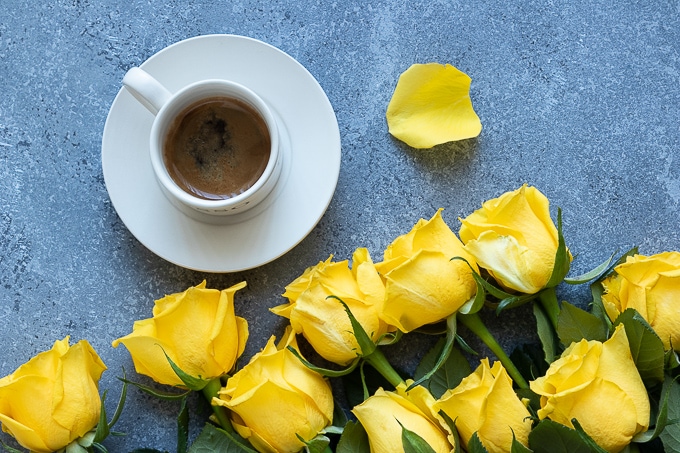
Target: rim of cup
185, 97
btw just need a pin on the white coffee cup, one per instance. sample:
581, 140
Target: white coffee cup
167, 106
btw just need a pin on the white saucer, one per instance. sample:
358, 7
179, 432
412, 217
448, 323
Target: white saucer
311, 144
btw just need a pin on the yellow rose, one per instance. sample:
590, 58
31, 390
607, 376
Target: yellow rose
53, 399
485, 403
197, 329
323, 321
423, 284
514, 238
275, 398
598, 385
650, 285
383, 415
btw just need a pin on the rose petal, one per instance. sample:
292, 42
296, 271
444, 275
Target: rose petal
431, 105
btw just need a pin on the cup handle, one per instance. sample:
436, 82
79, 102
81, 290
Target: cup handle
147, 90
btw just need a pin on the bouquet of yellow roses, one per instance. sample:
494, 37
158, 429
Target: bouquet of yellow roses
603, 377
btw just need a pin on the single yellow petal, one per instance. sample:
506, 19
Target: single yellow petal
431, 105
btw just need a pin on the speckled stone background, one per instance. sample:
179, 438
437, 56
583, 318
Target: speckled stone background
579, 98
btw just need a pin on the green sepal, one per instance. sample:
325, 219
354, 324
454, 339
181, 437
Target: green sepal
575, 324
390, 338
449, 375
645, 346
317, 445
445, 351
213, 439
160, 394
481, 282
9, 449
354, 439
475, 445
192, 383
517, 446
465, 346
102, 431
671, 359
324, 371
594, 448
562, 260
412, 442
591, 275
119, 406
366, 345
514, 301
452, 427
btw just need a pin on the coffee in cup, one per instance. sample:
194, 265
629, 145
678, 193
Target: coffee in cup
214, 144
217, 148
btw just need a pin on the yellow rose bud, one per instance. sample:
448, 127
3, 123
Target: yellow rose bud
598, 385
198, 331
514, 239
383, 415
323, 321
275, 398
423, 284
53, 399
650, 285
485, 403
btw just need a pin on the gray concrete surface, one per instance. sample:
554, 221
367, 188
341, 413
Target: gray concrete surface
579, 98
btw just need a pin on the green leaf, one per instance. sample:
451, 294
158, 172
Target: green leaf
645, 346
183, 427
475, 445
412, 442
448, 376
339, 417
160, 394
591, 275
671, 434
445, 351
551, 437
562, 261
213, 439
546, 334
575, 324
529, 360
193, 383
353, 440
597, 307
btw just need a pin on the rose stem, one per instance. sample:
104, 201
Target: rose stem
475, 324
